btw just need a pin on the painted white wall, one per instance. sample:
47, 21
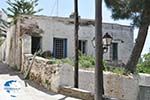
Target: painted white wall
118, 86
10, 42
144, 79
3, 51
26, 44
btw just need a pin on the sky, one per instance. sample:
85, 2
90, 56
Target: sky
86, 10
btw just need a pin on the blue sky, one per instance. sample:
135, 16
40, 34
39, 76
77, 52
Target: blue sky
86, 10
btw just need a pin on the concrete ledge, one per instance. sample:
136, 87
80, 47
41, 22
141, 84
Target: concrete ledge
144, 79
78, 93
81, 94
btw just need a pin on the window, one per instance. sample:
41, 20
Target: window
114, 51
60, 48
82, 46
36, 44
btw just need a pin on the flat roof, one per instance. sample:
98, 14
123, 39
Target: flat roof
71, 20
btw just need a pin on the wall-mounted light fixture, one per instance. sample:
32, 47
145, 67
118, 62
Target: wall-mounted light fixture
107, 41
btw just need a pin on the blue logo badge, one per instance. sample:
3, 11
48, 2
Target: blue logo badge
12, 87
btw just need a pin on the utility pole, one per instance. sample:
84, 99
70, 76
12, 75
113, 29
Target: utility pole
99, 91
76, 61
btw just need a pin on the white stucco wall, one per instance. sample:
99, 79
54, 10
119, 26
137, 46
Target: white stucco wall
118, 86
57, 27
144, 79
3, 51
10, 47
26, 44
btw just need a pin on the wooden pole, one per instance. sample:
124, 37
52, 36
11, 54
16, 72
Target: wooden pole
76, 43
98, 51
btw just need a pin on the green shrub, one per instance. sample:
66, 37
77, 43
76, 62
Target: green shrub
67, 60
85, 64
60, 61
143, 69
118, 70
144, 66
57, 61
86, 61
54, 61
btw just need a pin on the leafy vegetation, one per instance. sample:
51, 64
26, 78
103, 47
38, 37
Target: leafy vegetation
16, 8
144, 66
67, 60
86, 62
19, 7
118, 70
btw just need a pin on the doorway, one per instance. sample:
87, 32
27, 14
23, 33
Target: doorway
36, 44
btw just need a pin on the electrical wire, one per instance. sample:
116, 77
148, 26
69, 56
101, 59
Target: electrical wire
55, 5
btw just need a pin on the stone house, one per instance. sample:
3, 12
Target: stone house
56, 34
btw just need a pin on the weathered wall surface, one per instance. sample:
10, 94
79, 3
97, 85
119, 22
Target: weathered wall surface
11, 46
3, 51
119, 86
52, 76
42, 71
144, 79
26, 44
57, 27
45, 73
18, 42
122, 87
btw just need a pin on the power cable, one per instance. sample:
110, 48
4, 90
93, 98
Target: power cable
56, 5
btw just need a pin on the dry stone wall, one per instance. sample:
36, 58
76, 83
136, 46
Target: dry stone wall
42, 72
53, 76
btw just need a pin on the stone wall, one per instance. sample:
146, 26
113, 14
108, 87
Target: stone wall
42, 71
46, 73
53, 76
